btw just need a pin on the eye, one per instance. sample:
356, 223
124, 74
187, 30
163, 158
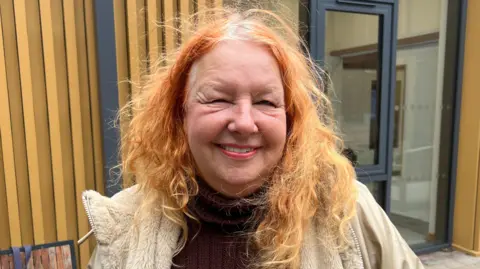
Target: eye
218, 101
266, 102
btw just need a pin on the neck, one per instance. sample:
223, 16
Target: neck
213, 207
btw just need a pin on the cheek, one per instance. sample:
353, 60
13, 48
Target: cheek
202, 127
274, 129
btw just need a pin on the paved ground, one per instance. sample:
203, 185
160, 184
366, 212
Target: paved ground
450, 260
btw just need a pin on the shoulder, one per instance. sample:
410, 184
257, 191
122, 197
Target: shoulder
365, 199
381, 244
111, 216
122, 242
370, 217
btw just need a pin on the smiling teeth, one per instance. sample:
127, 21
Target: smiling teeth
245, 150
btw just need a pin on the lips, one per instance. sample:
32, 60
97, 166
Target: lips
238, 152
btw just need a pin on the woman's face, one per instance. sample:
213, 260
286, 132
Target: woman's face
235, 118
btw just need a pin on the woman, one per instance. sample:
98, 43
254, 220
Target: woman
237, 165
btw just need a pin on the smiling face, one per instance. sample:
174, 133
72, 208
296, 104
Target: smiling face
235, 116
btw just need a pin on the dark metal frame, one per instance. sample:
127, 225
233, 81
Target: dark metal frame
387, 12
458, 13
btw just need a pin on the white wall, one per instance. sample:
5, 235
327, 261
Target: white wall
417, 17
347, 30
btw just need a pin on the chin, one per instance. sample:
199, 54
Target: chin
242, 185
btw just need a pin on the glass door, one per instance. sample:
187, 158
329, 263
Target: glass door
353, 41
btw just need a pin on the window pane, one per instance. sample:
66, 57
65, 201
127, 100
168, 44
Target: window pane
351, 62
377, 188
417, 121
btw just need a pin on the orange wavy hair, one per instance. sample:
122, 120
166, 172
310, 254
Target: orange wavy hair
313, 182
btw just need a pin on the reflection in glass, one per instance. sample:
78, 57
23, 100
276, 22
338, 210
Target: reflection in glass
417, 122
377, 188
351, 62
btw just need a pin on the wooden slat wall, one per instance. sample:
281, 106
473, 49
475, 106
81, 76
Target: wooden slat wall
75, 36
94, 95
50, 125
50, 122
13, 134
140, 37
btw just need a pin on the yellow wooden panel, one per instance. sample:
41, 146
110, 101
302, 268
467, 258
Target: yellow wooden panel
202, 4
7, 171
186, 10
5, 241
4, 225
465, 228
95, 96
467, 183
218, 3
59, 117
471, 82
27, 22
155, 39
170, 14
14, 142
136, 41
80, 112
121, 44
96, 118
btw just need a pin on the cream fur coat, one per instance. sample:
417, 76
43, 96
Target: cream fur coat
377, 243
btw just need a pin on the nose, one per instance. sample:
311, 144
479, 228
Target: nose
242, 121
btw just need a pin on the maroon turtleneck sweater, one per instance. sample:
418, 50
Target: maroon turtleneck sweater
219, 241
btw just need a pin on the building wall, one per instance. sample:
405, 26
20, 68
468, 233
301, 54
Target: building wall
466, 230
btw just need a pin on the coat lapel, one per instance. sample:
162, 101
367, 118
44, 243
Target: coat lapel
155, 245
149, 245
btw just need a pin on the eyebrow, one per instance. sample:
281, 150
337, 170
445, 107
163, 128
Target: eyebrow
209, 85
219, 85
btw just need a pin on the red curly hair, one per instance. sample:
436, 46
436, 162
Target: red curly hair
314, 182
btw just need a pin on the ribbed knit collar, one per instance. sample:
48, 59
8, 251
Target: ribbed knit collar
212, 207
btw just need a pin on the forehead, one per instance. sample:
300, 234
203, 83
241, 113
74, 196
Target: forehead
236, 62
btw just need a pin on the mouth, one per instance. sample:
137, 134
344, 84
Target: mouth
238, 151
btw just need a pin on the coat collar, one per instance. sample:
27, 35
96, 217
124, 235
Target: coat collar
153, 244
